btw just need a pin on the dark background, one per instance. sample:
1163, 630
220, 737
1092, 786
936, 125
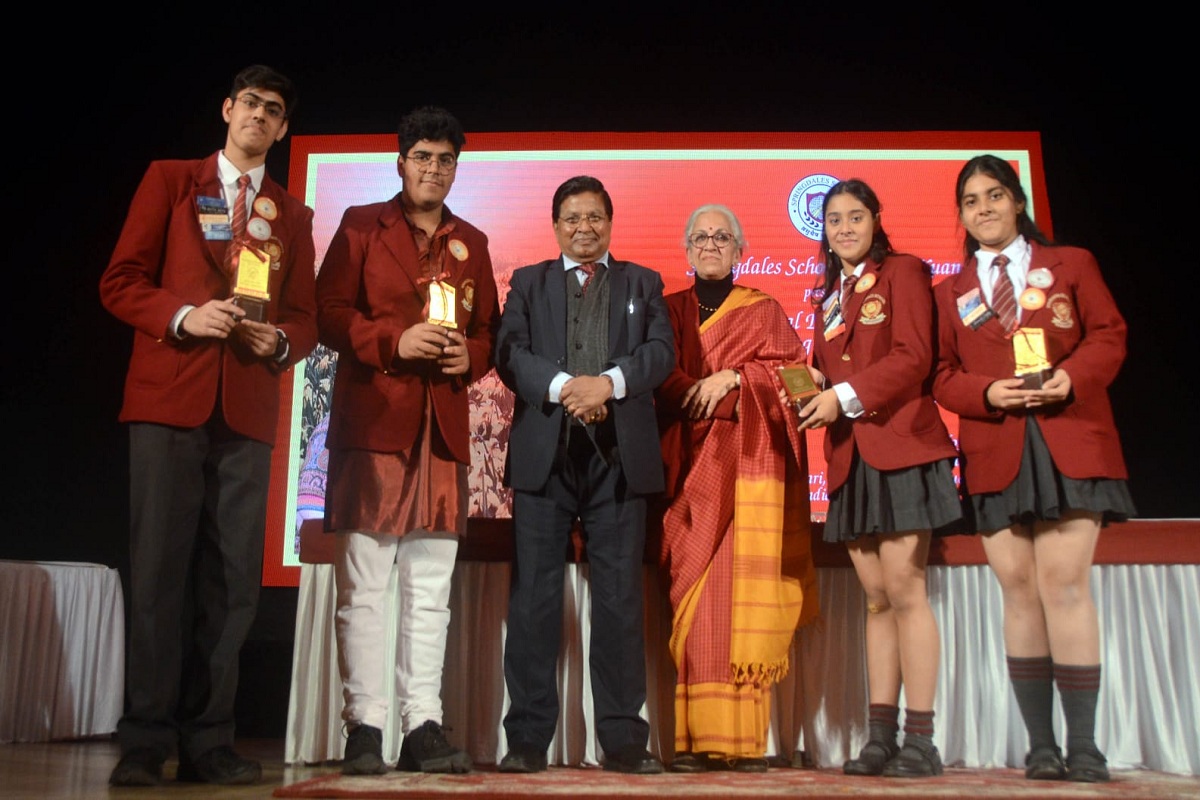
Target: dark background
85, 120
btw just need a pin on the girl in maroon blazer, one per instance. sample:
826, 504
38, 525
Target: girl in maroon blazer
1029, 340
890, 464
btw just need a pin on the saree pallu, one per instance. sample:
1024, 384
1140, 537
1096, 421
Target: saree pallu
737, 540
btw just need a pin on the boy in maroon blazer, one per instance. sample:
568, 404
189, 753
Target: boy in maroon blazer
214, 271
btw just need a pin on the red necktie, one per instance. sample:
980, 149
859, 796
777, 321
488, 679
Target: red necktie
848, 282
239, 208
589, 269
1004, 301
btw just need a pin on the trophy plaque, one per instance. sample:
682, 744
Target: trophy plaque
798, 383
441, 304
251, 280
1032, 362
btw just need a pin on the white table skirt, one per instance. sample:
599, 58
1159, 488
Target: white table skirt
1149, 701
62, 650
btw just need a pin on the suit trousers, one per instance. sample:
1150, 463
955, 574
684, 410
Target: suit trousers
198, 509
424, 569
585, 486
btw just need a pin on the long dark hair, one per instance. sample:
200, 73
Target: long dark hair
1001, 170
881, 246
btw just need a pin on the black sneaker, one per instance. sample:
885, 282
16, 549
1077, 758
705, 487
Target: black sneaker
364, 752
425, 749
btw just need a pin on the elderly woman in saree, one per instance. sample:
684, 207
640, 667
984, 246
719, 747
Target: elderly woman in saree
736, 531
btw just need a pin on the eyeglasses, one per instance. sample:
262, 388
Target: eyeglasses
575, 220
445, 162
269, 107
719, 239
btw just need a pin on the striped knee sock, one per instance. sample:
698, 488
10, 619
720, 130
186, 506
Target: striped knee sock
1080, 689
1033, 684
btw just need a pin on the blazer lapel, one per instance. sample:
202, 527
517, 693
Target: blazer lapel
397, 238
556, 303
205, 183
618, 297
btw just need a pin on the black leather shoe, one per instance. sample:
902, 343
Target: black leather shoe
687, 761
218, 765
871, 759
744, 764
1045, 764
364, 751
140, 766
914, 762
634, 760
523, 758
1087, 765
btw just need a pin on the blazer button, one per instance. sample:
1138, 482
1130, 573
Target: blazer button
845, 356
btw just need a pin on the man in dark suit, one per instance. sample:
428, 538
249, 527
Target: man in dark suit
584, 340
202, 403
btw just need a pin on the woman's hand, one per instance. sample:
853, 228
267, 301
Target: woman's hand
1053, 391
702, 398
1007, 394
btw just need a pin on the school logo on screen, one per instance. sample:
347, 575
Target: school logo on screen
805, 202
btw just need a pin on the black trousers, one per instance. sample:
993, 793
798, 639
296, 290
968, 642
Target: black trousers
586, 486
198, 509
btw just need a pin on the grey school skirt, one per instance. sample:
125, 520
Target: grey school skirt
872, 502
1041, 492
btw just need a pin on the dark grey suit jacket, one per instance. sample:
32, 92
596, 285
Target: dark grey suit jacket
531, 349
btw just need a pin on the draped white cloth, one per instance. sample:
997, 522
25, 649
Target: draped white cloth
62, 650
1149, 701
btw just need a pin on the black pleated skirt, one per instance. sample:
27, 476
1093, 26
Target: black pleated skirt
872, 502
1041, 492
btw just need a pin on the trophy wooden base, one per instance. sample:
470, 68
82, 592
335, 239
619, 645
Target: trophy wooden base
256, 310
1035, 380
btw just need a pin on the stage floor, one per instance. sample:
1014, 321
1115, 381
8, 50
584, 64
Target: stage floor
54, 770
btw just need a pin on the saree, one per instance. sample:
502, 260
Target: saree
737, 535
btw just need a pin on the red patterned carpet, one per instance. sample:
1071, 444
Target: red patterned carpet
595, 784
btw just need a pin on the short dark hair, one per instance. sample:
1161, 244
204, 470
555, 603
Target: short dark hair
258, 76
433, 124
1001, 170
580, 184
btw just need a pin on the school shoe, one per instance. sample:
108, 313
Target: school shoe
687, 761
871, 759
1045, 764
633, 760
913, 762
139, 766
218, 765
364, 751
425, 749
1087, 765
523, 758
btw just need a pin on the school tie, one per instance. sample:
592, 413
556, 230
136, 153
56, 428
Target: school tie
1004, 302
848, 282
589, 269
239, 208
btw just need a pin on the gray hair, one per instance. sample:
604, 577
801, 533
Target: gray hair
739, 239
